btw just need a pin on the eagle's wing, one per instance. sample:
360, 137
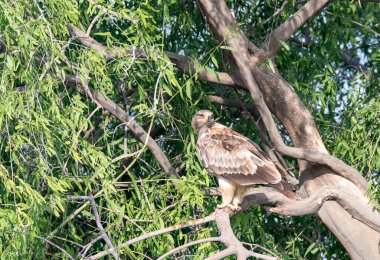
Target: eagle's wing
226, 153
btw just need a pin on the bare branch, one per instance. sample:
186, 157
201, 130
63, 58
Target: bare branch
285, 30
125, 156
96, 18
180, 61
88, 246
279, 204
277, 12
234, 246
222, 254
222, 218
358, 209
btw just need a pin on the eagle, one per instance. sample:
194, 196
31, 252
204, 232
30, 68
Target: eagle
235, 160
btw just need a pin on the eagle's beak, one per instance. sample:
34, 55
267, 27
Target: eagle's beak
210, 118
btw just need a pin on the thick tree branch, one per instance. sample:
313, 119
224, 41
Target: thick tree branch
285, 30
284, 206
223, 25
180, 61
234, 246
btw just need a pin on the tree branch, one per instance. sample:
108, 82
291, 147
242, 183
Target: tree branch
207, 219
132, 125
349, 61
358, 209
223, 24
180, 61
278, 203
222, 218
88, 246
233, 103
196, 242
285, 30
234, 246
105, 10
102, 232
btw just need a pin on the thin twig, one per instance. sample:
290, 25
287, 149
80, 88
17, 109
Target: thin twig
96, 18
196, 242
89, 245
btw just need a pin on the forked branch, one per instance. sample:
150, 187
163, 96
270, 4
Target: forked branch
132, 125
358, 209
224, 27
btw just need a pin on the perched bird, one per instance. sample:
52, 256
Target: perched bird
235, 160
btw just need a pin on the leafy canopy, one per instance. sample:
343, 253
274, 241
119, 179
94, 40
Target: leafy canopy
55, 142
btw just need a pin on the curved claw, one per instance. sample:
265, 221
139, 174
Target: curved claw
221, 206
233, 207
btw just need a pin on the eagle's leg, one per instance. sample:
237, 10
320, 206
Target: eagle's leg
228, 192
239, 196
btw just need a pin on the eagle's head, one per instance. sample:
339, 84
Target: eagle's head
203, 118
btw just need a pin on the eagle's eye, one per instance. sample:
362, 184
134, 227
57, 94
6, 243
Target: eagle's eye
201, 115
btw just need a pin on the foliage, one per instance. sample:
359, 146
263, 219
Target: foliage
57, 142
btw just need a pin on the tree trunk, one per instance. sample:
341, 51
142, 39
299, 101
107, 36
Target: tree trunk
360, 241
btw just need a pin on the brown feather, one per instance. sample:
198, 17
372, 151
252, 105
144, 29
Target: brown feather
226, 153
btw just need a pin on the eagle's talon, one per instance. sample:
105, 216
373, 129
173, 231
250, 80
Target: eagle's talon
233, 207
230, 206
221, 206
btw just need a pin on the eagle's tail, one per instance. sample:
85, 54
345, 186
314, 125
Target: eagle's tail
287, 189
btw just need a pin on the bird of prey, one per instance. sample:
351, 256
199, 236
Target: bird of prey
235, 160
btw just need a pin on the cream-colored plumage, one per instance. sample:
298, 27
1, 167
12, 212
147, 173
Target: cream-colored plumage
236, 161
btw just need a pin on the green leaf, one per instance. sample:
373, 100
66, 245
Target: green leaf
271, 66
284, 44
